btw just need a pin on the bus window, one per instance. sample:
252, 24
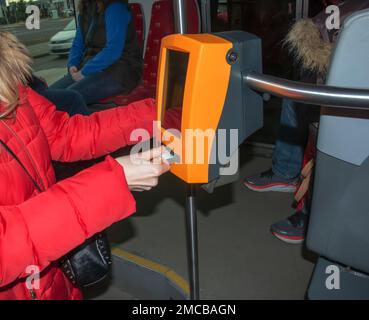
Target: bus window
48, 44
270, 20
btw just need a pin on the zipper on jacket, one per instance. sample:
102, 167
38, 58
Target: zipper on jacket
27, 153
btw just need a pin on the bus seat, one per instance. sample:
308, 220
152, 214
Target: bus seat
139, 21
161, 25
339, 221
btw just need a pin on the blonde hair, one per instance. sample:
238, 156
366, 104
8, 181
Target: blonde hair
15, 69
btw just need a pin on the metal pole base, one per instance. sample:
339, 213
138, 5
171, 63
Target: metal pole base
192, 241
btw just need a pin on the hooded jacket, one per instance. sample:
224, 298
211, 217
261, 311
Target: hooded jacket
38, 229
312, 43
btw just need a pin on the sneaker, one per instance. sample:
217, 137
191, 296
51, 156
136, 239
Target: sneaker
291, 230
269, 181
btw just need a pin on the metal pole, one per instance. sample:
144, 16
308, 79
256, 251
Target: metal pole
191, 211
299, 9
205, 16
192, 242
305, 12
322, 95
180, 16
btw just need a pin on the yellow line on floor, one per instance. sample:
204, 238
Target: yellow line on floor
171, 275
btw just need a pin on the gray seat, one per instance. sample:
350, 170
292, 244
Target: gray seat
339, 223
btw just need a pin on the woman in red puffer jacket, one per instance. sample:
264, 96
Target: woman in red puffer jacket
36, 229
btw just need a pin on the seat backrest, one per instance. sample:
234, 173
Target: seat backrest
349, 68
339, 220
139, 21
161, 25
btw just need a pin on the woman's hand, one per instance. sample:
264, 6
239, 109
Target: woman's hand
72, 70
76, 74
143, 170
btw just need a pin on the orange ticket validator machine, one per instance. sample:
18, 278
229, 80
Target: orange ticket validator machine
204, 109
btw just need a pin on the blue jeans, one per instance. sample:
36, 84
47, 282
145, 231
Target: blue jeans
68, 101
290, 146
92, 88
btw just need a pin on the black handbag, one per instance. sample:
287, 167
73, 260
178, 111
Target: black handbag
89, 263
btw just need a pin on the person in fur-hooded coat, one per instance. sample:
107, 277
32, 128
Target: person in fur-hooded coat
311, 44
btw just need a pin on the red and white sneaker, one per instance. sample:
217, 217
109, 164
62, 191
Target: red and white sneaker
291, 230
269, 181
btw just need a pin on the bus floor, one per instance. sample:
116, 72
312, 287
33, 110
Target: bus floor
239, 257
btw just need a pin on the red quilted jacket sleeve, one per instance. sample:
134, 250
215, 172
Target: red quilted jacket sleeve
86, 137
49, 225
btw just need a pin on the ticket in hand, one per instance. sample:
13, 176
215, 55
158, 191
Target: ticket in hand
169, 156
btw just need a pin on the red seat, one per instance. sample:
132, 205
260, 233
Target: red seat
138, 19
161, 25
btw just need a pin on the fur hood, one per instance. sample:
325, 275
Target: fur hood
310, 51
311, 43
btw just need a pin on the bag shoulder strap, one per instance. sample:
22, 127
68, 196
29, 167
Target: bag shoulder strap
10, 151
306, 174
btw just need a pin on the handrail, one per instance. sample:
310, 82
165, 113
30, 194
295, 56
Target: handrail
180, 16
336, 97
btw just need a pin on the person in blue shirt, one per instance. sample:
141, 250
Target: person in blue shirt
105, 58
